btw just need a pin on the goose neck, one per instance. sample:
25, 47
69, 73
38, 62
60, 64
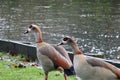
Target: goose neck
38, 36
76, 49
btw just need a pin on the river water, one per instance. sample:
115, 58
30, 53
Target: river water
95, 24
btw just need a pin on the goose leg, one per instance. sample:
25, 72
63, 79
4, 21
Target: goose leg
46, 76
62, 70
65, 76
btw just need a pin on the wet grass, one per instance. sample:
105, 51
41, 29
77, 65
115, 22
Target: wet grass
9, 72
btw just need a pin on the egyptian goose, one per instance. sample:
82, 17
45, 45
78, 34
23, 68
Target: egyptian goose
52, 57
90, 68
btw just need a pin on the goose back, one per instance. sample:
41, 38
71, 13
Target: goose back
54, 55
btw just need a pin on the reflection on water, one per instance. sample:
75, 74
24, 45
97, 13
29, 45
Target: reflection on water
96, 25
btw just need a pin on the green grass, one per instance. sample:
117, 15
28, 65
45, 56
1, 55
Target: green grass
2, 53
9, 72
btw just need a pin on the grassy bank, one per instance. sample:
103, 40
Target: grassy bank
10, 72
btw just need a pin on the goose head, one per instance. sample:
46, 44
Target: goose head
67, 40
71, 41
37, 32
33, 28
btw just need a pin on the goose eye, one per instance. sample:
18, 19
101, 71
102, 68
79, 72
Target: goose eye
65, 39
30, 26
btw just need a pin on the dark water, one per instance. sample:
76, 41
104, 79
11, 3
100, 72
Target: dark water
94, 23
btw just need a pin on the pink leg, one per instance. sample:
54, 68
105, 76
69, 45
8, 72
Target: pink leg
46, 77
65, 76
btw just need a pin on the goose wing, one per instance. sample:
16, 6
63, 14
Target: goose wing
63, 52
55, 56
99, 63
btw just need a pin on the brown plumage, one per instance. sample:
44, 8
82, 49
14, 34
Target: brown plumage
90, 68
52, 57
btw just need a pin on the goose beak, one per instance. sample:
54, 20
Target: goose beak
61, 43
26, 32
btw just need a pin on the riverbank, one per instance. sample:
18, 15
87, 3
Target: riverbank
17, 68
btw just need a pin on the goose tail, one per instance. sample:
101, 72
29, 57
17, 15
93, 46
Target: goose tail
70, 71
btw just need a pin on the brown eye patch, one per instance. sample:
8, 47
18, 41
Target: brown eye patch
30, 26
65, 39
